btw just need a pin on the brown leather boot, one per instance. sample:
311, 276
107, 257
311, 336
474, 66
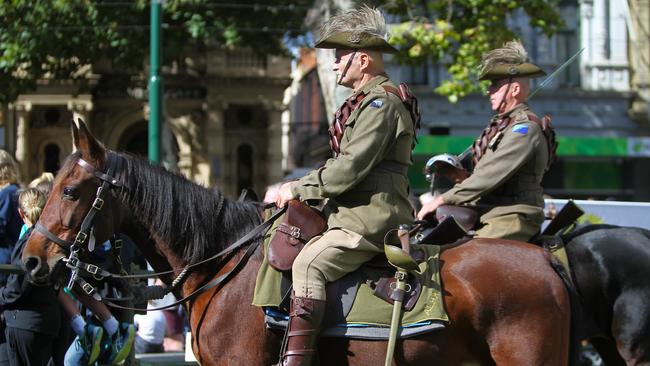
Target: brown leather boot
305, 319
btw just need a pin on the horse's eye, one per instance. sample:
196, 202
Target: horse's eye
69, 193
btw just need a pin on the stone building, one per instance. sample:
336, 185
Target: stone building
222, 118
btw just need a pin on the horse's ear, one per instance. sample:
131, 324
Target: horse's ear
85, 142
75, 134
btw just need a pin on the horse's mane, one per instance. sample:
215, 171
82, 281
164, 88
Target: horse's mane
182, 213
179, 212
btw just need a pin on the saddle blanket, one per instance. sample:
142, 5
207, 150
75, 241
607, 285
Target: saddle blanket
353, 311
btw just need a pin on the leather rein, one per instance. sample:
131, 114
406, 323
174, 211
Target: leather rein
114, 163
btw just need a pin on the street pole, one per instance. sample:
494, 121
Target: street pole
155, 83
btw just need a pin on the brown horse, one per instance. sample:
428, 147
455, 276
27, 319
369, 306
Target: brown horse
506, 303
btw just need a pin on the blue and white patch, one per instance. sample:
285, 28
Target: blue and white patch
376, 103
522, 129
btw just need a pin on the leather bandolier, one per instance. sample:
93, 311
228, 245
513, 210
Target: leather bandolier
340, 117
493, 133
343, 113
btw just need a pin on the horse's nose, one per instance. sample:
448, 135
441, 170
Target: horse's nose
32, 265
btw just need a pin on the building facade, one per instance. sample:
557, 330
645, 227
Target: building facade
598, 104
222, 125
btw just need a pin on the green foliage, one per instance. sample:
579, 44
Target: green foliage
457, 32
59, 38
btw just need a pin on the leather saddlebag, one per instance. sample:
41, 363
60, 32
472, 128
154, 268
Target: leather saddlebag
299, 224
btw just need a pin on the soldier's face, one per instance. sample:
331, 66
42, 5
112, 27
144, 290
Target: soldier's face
346, 68
496, 91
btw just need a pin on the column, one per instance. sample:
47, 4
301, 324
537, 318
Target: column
214, 142
274, 171
23, 110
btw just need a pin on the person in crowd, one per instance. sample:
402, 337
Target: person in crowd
365, 183
151, 328
43, 183
510, 156
108, 340
10, 222
31, 312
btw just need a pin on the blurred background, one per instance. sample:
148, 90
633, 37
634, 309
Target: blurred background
246, 100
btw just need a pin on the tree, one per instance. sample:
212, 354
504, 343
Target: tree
458, 32
59, 39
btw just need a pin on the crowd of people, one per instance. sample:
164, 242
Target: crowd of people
44, 325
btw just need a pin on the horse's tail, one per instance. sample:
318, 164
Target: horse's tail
574, 301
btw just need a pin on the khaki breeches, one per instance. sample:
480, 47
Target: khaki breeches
327, 258
511, 227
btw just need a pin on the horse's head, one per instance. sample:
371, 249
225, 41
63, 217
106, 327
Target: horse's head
79, 211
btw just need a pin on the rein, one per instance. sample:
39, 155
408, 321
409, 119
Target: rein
114, 166
253, 234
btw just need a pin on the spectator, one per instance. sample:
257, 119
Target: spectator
111, 341
10, 222
31, 312
43, 183
151, 329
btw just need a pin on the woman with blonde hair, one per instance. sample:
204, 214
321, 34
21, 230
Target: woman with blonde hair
30, 205
43, 183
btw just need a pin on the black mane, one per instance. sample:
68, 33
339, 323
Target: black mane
182, 213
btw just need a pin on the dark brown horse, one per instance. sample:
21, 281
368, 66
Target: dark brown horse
506, 303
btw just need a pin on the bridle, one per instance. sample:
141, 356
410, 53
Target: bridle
109, 183
112, 180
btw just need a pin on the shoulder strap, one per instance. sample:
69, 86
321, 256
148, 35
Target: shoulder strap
403, 92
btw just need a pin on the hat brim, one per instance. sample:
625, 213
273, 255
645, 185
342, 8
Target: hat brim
345, 41
506, 71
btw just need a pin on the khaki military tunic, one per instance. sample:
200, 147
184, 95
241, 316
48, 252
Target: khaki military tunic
366, 188
507, 181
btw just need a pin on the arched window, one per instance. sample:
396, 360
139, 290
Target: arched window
51, 161
244, 167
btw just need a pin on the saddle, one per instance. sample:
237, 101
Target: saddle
359, 304
452, 224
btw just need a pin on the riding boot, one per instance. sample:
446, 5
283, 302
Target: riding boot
305, 319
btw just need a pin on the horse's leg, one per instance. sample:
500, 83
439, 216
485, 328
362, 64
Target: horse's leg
522, 309
631, 326
232, 330
538, 332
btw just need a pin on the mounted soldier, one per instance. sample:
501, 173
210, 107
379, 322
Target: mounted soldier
365, 184
510, 156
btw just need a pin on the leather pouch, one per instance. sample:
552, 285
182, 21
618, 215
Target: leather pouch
299, 224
